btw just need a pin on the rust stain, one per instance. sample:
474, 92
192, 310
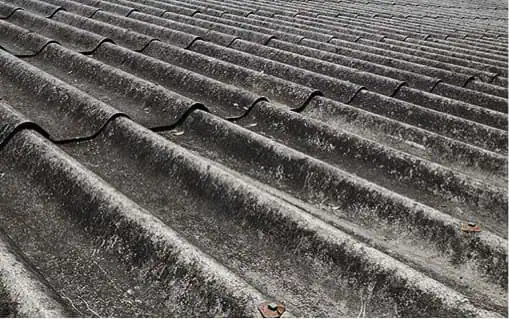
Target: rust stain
271, 309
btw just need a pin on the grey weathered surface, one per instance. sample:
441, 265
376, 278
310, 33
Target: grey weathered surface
195, 158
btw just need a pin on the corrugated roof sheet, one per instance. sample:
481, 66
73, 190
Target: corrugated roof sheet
198, 158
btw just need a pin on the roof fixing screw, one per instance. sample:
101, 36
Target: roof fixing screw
470, 227
272, 306
271, 309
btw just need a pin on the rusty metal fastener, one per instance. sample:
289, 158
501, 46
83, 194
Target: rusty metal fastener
271, 309
470, 227
272, 306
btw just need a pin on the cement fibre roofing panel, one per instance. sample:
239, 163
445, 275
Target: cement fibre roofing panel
242, 158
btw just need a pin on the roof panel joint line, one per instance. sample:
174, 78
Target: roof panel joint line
163, 13
131, 11
400, 85
107, 113
8, 131
89, 137
21, 55
52, 41
497, 75
300, 40
258, 100
350, 99
156, 40
272, 37
89, 52
229, 45
15, 122
195, 12
49, 16
11, 13
310, 98
93, 13
468, 80
182, 119
331, 38
188, 47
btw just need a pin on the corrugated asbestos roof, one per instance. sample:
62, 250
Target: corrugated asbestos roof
200, 157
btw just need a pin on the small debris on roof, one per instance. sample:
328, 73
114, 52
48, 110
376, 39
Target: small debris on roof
177, 133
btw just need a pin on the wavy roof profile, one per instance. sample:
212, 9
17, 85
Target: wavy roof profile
198, 158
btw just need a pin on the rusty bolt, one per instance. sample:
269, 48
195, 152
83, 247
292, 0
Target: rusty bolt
271, 309
272, 306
